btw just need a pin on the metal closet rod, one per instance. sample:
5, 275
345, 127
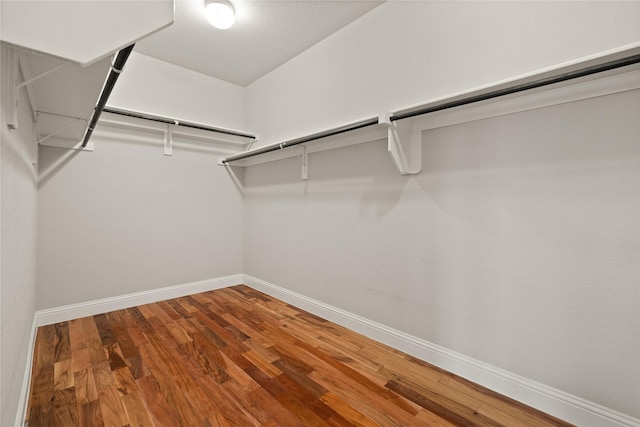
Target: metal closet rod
417, 111
114, 73
331, 132
169, 121
583, 72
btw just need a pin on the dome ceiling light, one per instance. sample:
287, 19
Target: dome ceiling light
219, 13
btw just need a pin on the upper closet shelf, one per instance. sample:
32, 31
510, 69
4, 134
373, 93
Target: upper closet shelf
61, 95
82, 32
247, 136
598, 75
171, 126
61, 52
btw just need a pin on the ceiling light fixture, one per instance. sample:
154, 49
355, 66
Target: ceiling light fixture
219, 13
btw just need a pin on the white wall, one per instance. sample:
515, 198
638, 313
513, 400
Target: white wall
18, 199
517, 245
125, 218
500, 254
408, 52
157, 87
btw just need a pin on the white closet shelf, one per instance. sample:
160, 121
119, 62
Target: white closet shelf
169, 127
606, 73
247, 137
82, 33
61, 94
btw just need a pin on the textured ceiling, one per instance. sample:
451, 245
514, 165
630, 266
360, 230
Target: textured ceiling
267, 33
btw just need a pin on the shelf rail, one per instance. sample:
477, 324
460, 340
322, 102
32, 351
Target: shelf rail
445, 104
176, 122
559, 78
308, 138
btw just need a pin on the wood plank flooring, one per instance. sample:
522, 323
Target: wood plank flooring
238, 357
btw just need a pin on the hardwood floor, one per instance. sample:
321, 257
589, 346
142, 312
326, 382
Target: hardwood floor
237, 357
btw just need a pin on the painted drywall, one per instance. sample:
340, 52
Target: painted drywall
157, 87
126, 219
517, 245
18, 199
82, 32
405, 53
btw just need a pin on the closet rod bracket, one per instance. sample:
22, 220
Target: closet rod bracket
168, 140
304, 163
404, 144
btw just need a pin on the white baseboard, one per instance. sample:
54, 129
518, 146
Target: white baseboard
547, 399
90, 308
75, 311
21, 415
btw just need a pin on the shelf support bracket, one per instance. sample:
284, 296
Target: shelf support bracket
60, 129
18, 62
22, 62
12, 76
304, 163
30, 80
404, 145
168, 141
65, 145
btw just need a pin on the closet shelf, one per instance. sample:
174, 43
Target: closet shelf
63, 69
610, 72
61, 95
302, 140
169, 127
182, 123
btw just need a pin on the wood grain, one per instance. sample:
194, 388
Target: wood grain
238, 357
